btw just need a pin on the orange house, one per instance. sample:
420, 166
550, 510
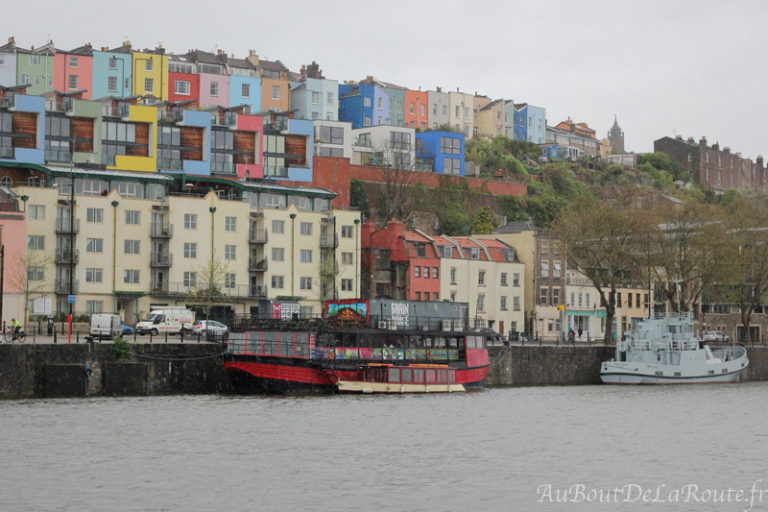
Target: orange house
416, 109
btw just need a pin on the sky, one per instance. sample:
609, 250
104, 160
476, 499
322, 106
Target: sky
663, 67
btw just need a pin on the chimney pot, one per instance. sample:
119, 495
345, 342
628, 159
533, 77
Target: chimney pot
12, 40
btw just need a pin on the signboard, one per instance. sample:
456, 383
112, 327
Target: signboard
71, 298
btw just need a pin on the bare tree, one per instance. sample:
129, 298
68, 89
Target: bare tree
397, 196
28, 276
600, 237
209, 284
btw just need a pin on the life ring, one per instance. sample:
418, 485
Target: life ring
332, 354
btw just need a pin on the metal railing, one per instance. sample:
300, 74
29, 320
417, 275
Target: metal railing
62, 286
157, 259
329, 241
258, 265
66, 226
258, 236
170, 163
161, 230
58, 156
64, 256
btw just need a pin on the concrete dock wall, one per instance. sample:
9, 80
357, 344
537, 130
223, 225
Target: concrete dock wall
93, 369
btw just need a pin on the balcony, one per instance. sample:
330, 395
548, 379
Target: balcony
223, 168
278, 125
8, 101
58, 156
160, 230
157, 259
257, 291
174, 116
62, 286
258, 236
64, 256
170, 164
329, 268
258, 265
7, 152
65, 226
329, 242
274, 171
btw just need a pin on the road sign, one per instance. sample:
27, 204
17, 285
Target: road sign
71, 298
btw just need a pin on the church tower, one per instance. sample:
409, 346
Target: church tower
616, 136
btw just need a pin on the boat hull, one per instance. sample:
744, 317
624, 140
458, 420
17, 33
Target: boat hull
615, 377
612, 372
388, 388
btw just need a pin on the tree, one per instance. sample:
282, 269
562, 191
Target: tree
483, 221
742, 276
28, 276
208, 285
684, 246
358, 197
599, 234
398, 196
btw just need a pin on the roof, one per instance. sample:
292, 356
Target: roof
127, 48
275, 65
85, 50
205, 57
517, 227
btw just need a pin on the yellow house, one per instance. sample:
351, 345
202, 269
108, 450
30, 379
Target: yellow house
150, 73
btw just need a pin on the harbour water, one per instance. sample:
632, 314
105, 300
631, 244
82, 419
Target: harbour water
686, 448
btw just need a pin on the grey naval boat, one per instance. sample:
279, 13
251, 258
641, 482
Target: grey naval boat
665, 350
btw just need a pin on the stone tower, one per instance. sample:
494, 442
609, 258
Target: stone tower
616, 136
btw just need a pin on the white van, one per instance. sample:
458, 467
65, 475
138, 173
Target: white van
105, 326
170, 320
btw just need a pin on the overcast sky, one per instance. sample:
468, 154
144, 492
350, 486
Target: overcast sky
664, 67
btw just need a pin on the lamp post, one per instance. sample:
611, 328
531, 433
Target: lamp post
293, 250
114, 251
71, 247
357, 252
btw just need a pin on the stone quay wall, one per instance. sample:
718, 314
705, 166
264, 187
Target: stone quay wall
28, 371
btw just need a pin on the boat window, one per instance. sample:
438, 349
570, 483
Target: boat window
431, 378
439, 342
406, 375
418, 375
394, 374
442, 376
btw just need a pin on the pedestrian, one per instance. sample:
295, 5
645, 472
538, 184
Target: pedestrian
16, 326
571, 334
581, 331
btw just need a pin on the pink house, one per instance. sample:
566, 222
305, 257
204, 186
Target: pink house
73, 71
13, 237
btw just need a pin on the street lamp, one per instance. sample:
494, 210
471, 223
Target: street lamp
357, 251
293, 250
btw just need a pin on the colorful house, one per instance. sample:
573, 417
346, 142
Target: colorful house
8, 63
183, 80
244, 85
22, 126
492, 119
36, 68
72, 128
416, 109
531, 123
363, 104
236, 143
150, 73
214, 80
440, 152
314, 97
439, 106
112, 72
183, 136
74, 70
275, 84
394, 107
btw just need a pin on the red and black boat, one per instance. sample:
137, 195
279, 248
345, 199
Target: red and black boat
427, 341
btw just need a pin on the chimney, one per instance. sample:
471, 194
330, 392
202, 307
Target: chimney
253, 58
690, 139
438, 89
219, 52
12, 40
760, 161
726, 149
678, 137
716, 146
105, 48
127, 43
703, 141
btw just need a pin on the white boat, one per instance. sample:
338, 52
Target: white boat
665, 350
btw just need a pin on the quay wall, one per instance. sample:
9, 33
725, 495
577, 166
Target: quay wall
54, 370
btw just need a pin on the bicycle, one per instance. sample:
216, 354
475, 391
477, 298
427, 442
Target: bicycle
9, 336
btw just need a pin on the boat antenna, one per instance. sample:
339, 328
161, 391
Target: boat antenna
677, 292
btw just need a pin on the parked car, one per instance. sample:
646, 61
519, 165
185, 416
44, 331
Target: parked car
715, 337
211, 327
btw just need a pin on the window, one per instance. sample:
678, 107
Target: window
447, 251
543, 296
214, 88
416, 271
94, 244
474, 253
36, 272
278, 254
24, 79
36, 242
346, 258
131, 246
481, 303
131, 276
421, 249
36, 212
418, 295
452, 166
275, 92
481, 278
366, 102
453, 275
190, 279
229, 280
515, 279
306, 256
367, 121
149, 84
400, 140
277, 282
315, 97
434, 273
72, 82
278, 227
329, 98
94, 307
229, 252
346, 231
245, 91
450, 146
133, 189
503, 279
544, 269
306, 283
190, 221
332, 134
346, 285
555, 296
306, 228
516, 303
113, 63
503, 303
93, 275
190, 250
230, 223
182, 87
556, 270
112, 83
132, 217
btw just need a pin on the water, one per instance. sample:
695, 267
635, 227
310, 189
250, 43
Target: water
483, 451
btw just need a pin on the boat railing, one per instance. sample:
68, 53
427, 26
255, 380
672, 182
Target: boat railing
299, 321
652, 345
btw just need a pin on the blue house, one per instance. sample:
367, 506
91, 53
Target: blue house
440, 152
33, 148
113, 73
244, 85
530, 123
363, 105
